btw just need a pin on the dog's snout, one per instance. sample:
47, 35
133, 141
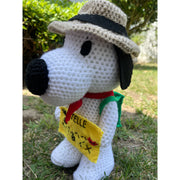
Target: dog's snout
36, 78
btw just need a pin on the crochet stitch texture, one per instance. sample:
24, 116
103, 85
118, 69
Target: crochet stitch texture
103, 8
70, 76
93, 59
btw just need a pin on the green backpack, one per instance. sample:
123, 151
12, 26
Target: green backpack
119, 99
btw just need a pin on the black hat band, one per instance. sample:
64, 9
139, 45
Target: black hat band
101, 21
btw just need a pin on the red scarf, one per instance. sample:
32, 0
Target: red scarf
76, 105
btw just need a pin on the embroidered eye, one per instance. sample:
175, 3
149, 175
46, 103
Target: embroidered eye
86, 48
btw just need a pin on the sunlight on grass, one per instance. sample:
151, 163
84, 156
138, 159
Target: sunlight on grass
142, 92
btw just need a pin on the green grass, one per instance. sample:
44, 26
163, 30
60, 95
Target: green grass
142, 93
134, 145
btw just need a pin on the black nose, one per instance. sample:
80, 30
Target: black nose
36, 78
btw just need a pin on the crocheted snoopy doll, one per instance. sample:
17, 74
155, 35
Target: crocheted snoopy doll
95, 59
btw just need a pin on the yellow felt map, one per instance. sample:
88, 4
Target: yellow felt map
82, 133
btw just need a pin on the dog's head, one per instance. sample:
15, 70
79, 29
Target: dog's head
86, 63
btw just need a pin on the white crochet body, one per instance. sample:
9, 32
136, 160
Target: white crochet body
68, 156
71, 76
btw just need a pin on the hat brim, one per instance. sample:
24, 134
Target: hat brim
127, 45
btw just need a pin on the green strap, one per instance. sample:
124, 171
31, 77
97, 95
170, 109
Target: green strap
119, 99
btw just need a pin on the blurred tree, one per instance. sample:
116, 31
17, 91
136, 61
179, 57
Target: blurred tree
140, 13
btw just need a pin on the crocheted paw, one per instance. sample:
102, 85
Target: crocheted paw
95, 171
57, 113
65, 154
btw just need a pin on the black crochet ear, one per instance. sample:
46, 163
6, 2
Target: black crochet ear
125, 67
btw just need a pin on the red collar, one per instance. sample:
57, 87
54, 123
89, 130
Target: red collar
76, 105
99, 95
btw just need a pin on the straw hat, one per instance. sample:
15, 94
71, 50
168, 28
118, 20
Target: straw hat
101, 18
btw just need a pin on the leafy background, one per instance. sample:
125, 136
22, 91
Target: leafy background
135, 144
37, 14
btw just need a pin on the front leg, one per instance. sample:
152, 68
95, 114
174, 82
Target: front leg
65, 154
57, 112
105, 163
108, 122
